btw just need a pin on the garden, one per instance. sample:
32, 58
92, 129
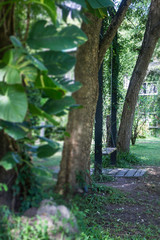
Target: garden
79, 120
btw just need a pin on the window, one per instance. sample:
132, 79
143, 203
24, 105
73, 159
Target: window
149, 88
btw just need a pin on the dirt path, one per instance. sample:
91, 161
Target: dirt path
139, 213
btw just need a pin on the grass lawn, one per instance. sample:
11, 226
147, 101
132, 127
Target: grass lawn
148, 150
51, 161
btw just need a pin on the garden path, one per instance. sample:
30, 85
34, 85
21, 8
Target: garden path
118, 172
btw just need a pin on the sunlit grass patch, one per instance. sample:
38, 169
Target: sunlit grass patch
148, 150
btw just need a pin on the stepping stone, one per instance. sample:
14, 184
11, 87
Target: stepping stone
113, 172
121, 173
106, 170
140, 172
108, 151
130, 173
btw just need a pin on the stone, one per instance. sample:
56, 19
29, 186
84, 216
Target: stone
131, 173
59, 220
65, 213
47, 210
31, 212
121, 173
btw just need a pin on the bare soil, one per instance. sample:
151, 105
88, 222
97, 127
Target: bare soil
139, 215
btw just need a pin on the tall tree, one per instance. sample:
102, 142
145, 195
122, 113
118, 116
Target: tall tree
151, 36
6, 143
21, 72
75, 164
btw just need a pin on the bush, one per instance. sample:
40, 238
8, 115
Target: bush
124, 159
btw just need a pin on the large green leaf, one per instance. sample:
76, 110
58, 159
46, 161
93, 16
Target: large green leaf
2, 73
100, 3
81, 2
33, 60
17, 65
29, 73
10, 160
57, 63
13, 102
56, 106
49, 6
16, 43
47, 36
14, 130
10, 70
37, 63
69, 85
8, 57
35, 111
47, 150
49, 87
12, 75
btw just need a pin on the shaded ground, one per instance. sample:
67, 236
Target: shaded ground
139, 214
134, 214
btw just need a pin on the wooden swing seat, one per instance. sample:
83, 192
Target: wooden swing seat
109, 150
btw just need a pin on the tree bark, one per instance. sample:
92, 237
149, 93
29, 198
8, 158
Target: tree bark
6, 143
6, 25
76, 152
75, 164
151, 36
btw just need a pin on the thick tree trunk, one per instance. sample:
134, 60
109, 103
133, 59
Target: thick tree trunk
76, 153
6, 25
6, 143
7, 177
151, 36
75, 164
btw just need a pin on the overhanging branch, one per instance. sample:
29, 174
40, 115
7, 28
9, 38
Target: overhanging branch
112, 29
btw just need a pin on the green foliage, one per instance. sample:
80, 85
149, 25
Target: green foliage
48, 36
89, 211
5, 228
95, 3
100, 4
55, 107
124, 160
16, 228
10, 160
3, 187
10, 98
37, 65
49, 6
57, 63
48, 149
15, 130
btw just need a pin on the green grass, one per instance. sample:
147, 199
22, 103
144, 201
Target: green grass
148, 150
52, 161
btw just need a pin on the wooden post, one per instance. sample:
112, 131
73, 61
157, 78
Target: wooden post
98, 126
108, 131
114, 92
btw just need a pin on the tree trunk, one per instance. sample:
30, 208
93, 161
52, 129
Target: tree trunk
151, 36
76, 152
6, 143
75, 165
6, 26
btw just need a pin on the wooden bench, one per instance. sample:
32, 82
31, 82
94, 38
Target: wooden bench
109, 150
